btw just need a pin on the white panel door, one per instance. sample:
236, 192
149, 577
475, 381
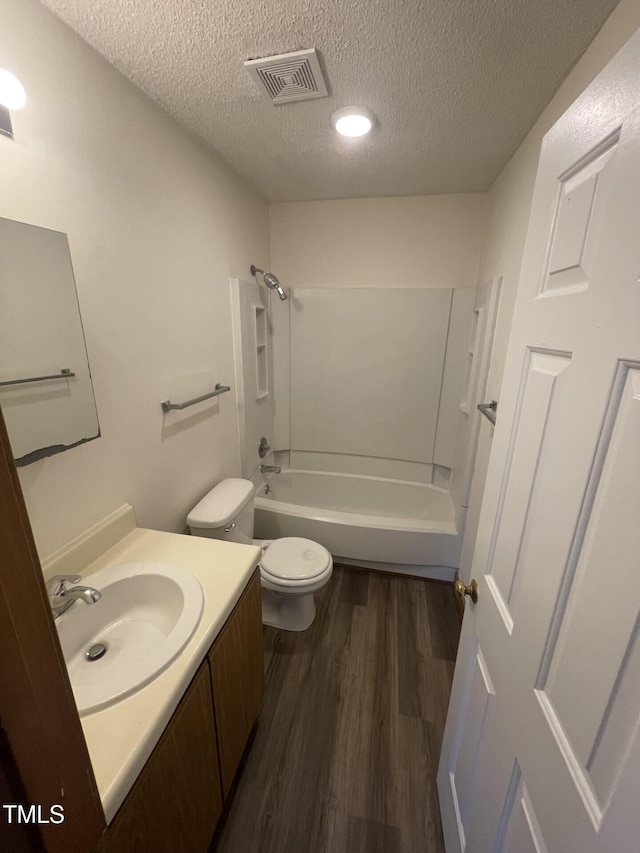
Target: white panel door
542, 744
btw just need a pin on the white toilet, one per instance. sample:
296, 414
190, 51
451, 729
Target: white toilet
291, 569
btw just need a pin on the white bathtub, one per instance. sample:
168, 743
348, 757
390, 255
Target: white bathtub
368, 520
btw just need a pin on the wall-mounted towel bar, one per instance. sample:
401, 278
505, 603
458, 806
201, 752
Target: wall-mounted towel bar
489, 410
219, 389
65, 373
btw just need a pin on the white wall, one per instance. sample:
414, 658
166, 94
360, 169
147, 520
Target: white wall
156, 227
509, 202
414, 241
376, 376
366, 370
281, 363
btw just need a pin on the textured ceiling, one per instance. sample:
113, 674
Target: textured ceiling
455, 84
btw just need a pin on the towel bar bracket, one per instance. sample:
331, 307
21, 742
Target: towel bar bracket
489, 410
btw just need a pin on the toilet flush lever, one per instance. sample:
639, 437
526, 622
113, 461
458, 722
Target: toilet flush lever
230, 527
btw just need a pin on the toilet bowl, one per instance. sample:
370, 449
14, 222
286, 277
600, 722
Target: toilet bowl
292, 569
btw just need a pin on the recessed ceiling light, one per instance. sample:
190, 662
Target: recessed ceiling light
12, 94
353, 121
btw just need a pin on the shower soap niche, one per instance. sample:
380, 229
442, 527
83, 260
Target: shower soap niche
262, 382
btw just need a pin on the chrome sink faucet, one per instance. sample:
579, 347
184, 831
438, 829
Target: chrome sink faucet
270, 469
61, 598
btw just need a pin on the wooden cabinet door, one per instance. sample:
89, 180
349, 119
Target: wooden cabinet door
176, 802
237, 673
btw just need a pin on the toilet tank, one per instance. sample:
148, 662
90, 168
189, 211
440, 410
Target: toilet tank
226, 512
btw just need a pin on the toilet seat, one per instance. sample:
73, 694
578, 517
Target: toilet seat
293, 561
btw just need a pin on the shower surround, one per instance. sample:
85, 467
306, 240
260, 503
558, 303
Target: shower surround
368, 392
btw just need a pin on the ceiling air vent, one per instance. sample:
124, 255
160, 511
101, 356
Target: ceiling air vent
288, 77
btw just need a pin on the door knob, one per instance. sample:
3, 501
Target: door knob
471, 590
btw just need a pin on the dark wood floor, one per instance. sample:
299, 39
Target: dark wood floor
345, 755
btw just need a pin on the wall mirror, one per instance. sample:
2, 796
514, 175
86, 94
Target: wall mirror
46, 392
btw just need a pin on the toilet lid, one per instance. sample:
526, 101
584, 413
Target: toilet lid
293, 558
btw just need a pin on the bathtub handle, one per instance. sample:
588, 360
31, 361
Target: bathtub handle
264, 447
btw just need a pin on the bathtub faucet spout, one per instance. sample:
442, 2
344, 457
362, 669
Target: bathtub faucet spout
270, 469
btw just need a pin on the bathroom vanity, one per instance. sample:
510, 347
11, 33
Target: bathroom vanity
165, 757
178, 798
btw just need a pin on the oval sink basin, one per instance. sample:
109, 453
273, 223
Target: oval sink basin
146, 616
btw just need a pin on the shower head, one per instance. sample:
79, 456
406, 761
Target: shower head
270, 280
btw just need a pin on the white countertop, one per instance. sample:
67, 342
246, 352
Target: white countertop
121, 738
